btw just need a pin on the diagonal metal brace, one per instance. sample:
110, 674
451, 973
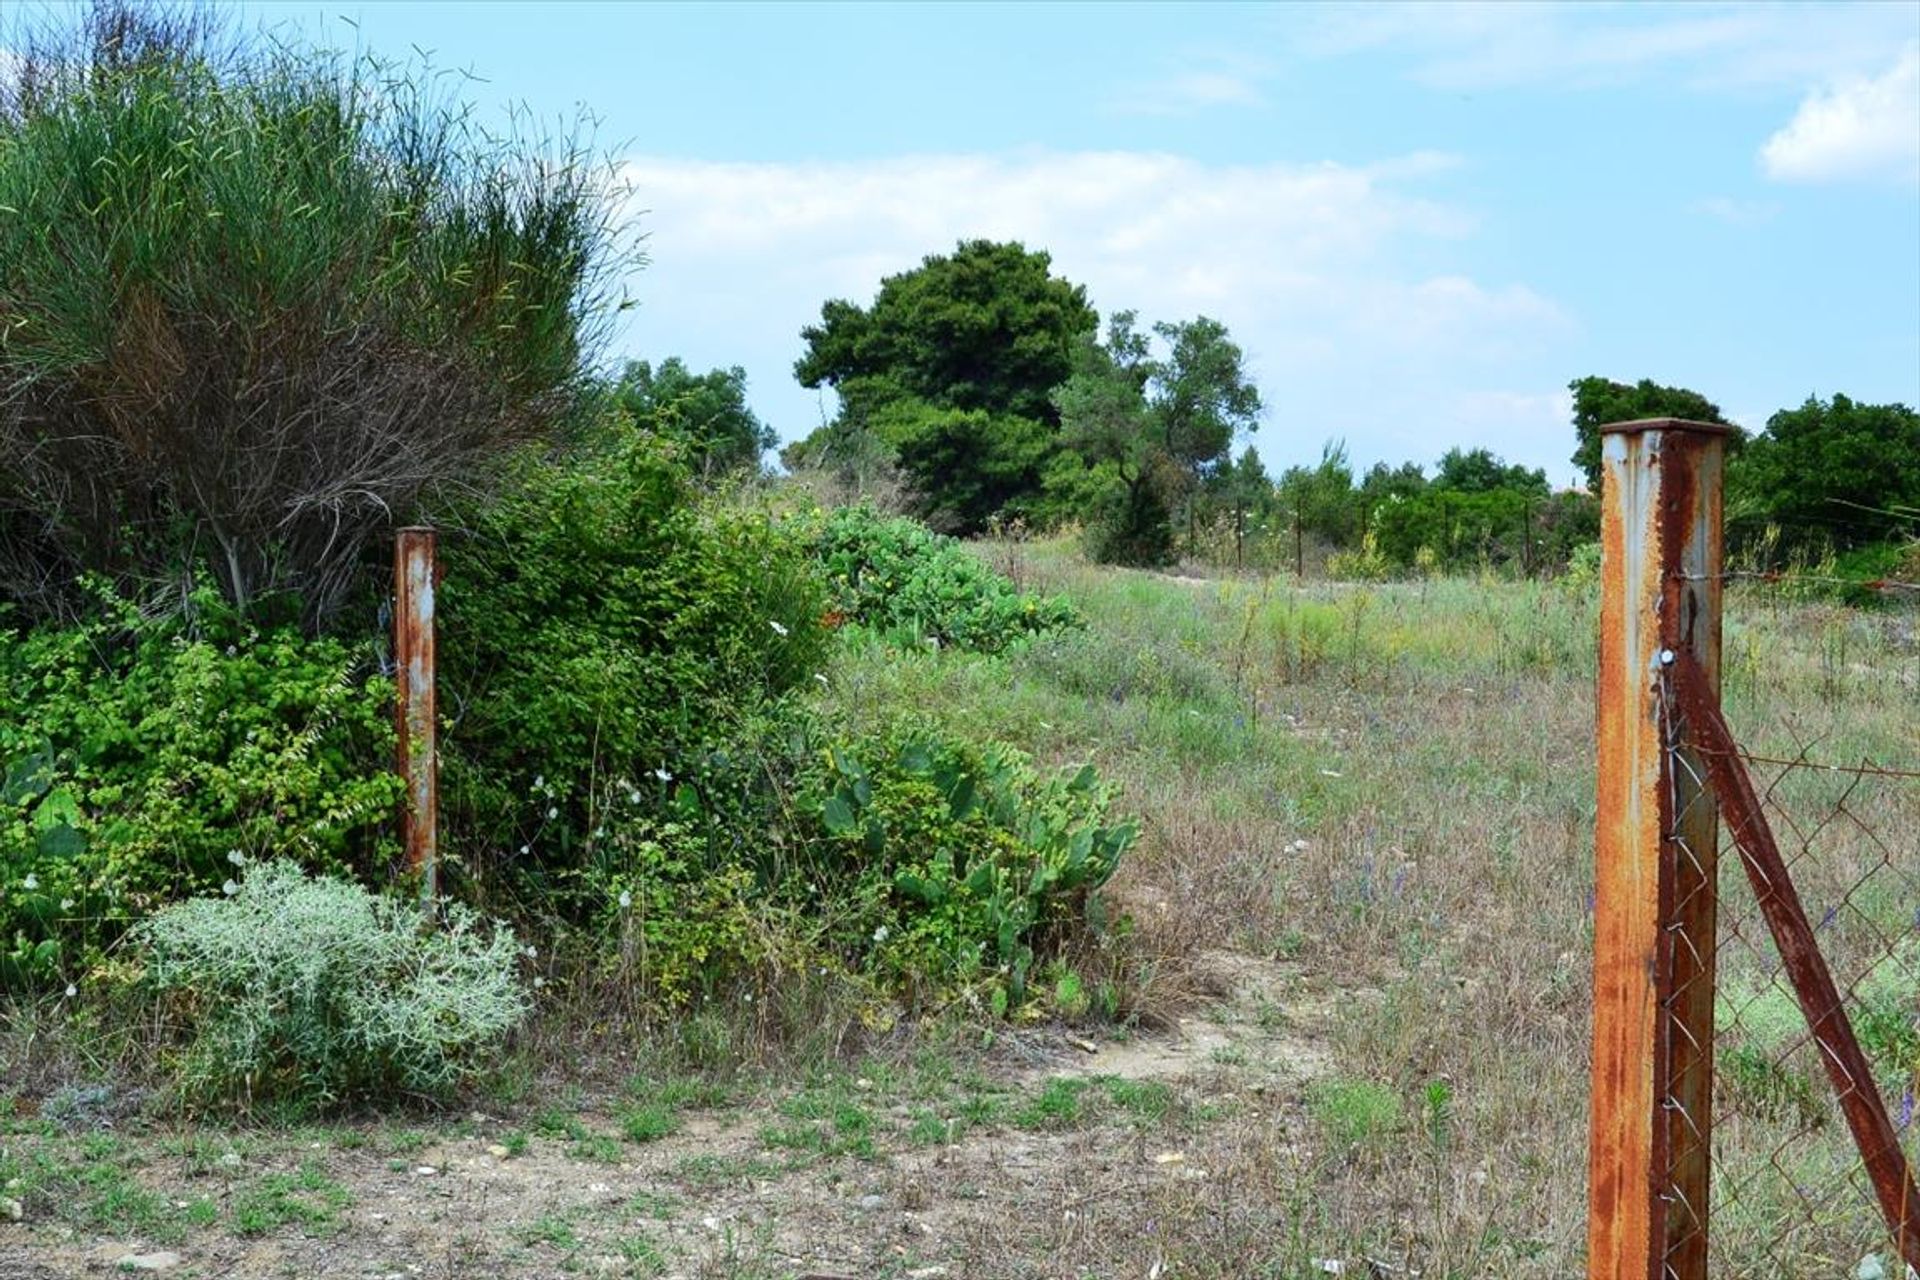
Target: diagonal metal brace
1813, 985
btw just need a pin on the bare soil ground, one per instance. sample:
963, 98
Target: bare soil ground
991, 1173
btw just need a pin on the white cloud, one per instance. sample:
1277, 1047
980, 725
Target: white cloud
1468, 47
1865, 127
1331, 277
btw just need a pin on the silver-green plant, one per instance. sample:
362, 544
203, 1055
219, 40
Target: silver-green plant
311, 991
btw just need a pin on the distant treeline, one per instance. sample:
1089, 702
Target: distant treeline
978, 389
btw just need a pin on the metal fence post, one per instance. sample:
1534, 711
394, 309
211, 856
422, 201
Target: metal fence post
414, 712
1655, 869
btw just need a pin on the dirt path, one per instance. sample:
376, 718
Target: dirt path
967, 1175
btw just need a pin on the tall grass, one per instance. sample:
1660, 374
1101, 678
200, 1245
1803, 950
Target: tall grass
1391, 788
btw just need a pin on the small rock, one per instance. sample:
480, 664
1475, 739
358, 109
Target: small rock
162, 1261
498, 1152
426, 1171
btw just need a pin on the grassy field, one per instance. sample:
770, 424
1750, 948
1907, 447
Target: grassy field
1353, 979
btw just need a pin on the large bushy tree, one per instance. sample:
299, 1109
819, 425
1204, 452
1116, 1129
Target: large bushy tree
706, 412
259, 306
1599, 401
1160, 426
1833, 472
952, 369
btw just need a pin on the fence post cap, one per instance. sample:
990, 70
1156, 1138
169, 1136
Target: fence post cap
1665, 424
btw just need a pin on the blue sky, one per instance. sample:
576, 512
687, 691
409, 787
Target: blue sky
1420, 221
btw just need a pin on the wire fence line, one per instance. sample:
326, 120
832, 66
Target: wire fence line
1756, 1050
1813, 1080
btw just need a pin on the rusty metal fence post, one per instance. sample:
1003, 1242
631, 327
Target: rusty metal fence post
1655, 891
415, 713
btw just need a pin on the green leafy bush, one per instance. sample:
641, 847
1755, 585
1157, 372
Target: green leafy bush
944, 863
310, 991
137, 754
896, 576
598, 626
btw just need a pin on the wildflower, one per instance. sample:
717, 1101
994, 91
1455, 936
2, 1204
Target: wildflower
626, 899
539, 781
525, 849
236, 857
822, 679
529, 951
552, 813
880, 934
30, 883
663, 775
539, 982
72, 991
777, 628
66, 904
229, 888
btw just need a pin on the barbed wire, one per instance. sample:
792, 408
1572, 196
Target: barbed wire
1867, 769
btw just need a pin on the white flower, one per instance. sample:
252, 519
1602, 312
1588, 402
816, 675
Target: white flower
529, 951
663, 775
539, 781
539, 982
552, 813
66, 904
777, 628
30, 883
229, 888
626, 899
72, 991
599, 833
822, 679
880, 934
526, 849
236, 857
633, 795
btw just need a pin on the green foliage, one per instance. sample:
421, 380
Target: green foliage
946, 863
266, 301
708, 413
684, 921
896, 577
951, 372
601, 623
987, 327
1831, 474
137, 754
311, 991
1159, 427
1600, 401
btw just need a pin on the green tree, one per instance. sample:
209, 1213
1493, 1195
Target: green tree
708, 413
988, 327
1165, 421
1321, 498
1479, 471
950, 373
1834, 472
1108, 423
1202, 398
1599, 401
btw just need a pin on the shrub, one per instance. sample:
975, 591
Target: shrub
136, 754
311, 991
598, 626
899, 578
266, 302
943, 864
